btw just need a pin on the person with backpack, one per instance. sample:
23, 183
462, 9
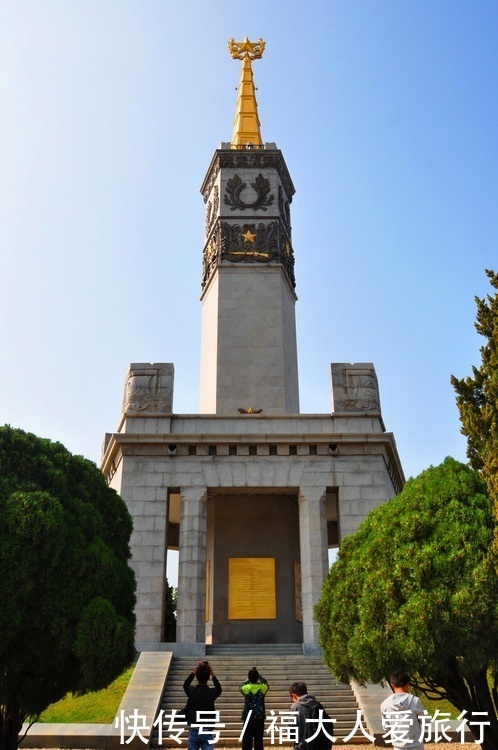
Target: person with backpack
315, 728
200, 698
254, 690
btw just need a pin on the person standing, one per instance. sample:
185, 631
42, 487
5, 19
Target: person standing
313, 732
200, 698
254, 690
400, 714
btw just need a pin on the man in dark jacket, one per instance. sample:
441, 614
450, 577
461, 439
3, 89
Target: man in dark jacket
307, 708
200, 698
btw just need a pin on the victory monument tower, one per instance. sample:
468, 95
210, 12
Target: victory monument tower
251, 492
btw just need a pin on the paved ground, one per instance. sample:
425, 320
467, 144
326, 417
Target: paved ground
427, 746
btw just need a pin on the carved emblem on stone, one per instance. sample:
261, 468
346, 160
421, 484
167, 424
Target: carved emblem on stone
354, 387
362, 391
149, 388
261, 186
261, 243
248, 243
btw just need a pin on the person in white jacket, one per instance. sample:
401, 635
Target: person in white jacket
401, 714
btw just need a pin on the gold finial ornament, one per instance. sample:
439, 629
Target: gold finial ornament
246, 130
239, 50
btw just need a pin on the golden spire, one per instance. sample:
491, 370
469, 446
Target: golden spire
246, 126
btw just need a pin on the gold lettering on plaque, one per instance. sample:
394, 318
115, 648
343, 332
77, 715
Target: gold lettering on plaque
252, 591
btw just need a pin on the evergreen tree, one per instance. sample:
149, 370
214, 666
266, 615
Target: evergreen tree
170, 614
477, 395
67, 591
414, 589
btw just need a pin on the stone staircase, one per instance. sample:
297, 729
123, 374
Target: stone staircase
281, 665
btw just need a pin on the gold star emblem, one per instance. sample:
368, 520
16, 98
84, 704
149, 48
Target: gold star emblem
246, 45
248, 236
253, 50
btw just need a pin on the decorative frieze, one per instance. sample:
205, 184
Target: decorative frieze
212, 209
244, 160
284, 210
264, 242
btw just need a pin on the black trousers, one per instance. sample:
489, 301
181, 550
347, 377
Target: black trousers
253, 733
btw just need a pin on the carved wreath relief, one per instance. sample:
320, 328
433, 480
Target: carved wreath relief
235, 186
248, 160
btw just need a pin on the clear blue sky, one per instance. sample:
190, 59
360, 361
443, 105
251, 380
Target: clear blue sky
387, 116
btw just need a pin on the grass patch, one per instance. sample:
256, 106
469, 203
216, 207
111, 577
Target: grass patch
443, 706
99, 707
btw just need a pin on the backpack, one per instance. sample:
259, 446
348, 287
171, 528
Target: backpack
321, 741
255, 702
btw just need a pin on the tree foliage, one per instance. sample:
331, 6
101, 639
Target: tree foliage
477, 398
170, 613
414, 589
67, 591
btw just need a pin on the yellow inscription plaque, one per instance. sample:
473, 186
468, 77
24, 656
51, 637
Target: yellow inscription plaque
251, 588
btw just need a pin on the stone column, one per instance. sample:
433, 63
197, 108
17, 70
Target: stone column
148, 506
314, 558
191, 614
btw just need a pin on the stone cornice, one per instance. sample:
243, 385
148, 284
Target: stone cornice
328, 446
259, 159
